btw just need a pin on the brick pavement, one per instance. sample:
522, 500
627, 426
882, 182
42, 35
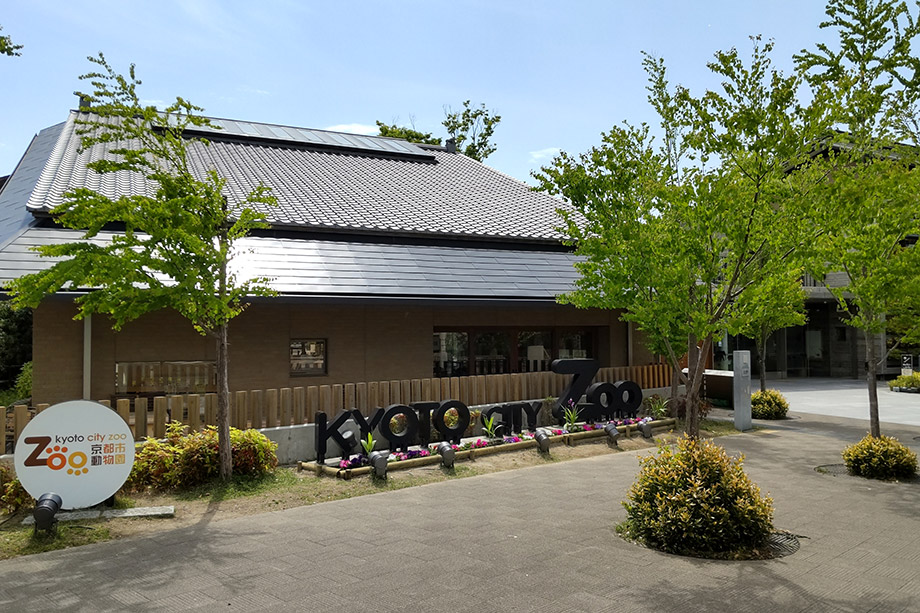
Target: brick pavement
536, 539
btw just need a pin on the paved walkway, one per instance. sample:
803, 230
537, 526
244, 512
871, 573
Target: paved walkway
536, 539
847, 398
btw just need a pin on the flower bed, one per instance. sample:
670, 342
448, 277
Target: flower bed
357, 465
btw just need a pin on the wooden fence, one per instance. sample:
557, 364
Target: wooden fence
299, 405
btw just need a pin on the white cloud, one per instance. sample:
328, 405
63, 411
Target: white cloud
160, 104
252, 90
542, 155
355, 128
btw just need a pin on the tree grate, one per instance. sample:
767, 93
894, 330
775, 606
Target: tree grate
782, 544
832, 469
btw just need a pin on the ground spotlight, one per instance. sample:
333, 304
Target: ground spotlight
351, 441
612, 432
45, 509
447, 453
646, 429
542, 439
378, 462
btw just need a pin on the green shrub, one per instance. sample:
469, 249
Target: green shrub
911, 380
880, 458
769, 404
694, 499
23, 386
186, 460
13, 496
655, 406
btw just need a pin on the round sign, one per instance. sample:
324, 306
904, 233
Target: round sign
80, 450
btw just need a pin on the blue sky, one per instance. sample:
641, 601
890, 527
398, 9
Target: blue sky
559, 73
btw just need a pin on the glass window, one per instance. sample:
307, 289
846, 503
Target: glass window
493, 353
534, 351
575, 344
308, 357
451, 354
180, 377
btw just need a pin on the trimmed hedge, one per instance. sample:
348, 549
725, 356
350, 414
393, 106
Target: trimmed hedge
185, 460
693, 499
769, 404
880, 458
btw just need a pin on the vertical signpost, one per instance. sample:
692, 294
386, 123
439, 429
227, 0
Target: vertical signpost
741, 390
907, 365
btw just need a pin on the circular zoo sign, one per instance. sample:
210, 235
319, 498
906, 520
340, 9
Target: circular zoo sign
80, 450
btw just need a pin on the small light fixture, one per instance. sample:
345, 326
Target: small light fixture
646, 429
351, 441
613, 433
45, 509
447, 453
542, 439
378, 462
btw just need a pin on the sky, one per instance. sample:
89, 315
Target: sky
558, 73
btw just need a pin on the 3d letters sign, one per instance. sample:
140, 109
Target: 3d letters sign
603, 400
80, 450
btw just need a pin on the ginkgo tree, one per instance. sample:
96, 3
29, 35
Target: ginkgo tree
174, 245
679, 234
868, 204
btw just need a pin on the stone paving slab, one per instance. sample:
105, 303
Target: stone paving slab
535, 539
165, 511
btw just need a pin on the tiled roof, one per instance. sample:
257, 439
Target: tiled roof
309, 268
346, 183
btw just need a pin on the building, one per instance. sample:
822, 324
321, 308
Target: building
391, 260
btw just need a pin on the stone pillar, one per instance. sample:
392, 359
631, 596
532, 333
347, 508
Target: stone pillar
741, 390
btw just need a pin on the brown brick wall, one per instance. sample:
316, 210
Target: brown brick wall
365, 343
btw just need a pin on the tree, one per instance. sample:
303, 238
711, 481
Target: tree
410, 134
868, 204
471, 129
776, 304
679, 235
15, 342
7, 47
177, 244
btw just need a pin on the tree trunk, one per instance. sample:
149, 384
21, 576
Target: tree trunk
762, 359
223, 405
871, 381
675, 385
692, 396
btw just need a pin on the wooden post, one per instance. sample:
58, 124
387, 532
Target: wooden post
20, 419
312, 403
338, 398
271, 408
300, 405
325, 399
405, 391
415, 390
350, 400
286, 408
159, 416
239, 410
210, 409
373, 395
124, 409
425, 388
174, 405
140, 418
361, 399
105, 403
257, 407
41, 407
194, 412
